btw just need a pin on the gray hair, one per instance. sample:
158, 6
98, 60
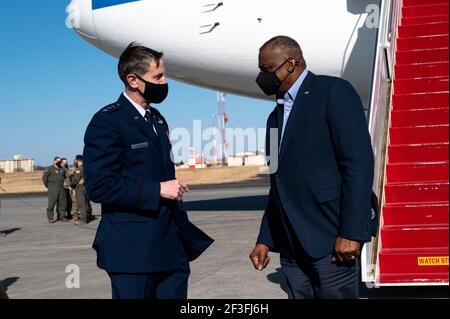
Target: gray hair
288, 46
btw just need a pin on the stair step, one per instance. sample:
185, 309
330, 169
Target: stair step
416, 214
408, 193
403, 266
421, 85
420, 101
419, 134
422, 2
422, 30
422, 42
425, 10
414, 278
420, 70
425, 19
419, 117
414, 237
422, 56
418, 153
417, 172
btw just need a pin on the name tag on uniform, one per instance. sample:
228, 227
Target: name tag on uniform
139, 145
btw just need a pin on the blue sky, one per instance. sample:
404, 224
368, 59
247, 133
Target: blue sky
52, 82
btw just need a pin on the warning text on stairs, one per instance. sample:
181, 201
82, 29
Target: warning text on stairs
433, 261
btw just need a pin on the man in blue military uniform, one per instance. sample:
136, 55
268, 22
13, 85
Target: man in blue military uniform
144, 240
319, 209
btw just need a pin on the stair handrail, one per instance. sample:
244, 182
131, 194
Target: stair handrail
379, 115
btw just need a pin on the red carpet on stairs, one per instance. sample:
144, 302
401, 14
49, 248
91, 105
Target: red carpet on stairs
414, 234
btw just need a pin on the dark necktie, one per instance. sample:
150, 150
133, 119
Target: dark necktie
151, 120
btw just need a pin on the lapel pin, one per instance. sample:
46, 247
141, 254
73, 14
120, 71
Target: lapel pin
306, 92
136, 117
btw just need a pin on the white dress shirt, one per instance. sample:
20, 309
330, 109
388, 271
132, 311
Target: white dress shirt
289, 98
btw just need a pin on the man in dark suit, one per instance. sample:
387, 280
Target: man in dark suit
144, 240
318, 213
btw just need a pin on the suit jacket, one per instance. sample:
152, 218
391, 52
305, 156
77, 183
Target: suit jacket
124, 163
325, 168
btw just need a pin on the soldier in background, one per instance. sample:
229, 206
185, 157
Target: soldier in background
53, 179
74, 208
77, 183
65, 166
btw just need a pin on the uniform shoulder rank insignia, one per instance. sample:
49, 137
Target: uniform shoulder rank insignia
111, 108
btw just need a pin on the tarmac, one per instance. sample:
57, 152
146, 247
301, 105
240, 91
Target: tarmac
36, 257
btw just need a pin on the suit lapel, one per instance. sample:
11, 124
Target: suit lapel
301, 102
136, 119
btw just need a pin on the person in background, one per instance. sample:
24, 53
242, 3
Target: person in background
82, 200
65, 166
73, 199
53, 179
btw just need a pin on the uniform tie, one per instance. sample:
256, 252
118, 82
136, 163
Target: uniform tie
156, 127
151, 120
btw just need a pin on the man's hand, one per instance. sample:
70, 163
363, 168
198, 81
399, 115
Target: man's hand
173, 189
259, 256
345, 250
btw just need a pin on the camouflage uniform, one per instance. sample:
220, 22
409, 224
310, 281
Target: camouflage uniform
80, 194
72, 207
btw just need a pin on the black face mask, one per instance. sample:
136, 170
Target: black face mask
154, 93
269, 82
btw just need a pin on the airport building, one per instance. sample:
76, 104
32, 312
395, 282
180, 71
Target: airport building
18, 164
247, 159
